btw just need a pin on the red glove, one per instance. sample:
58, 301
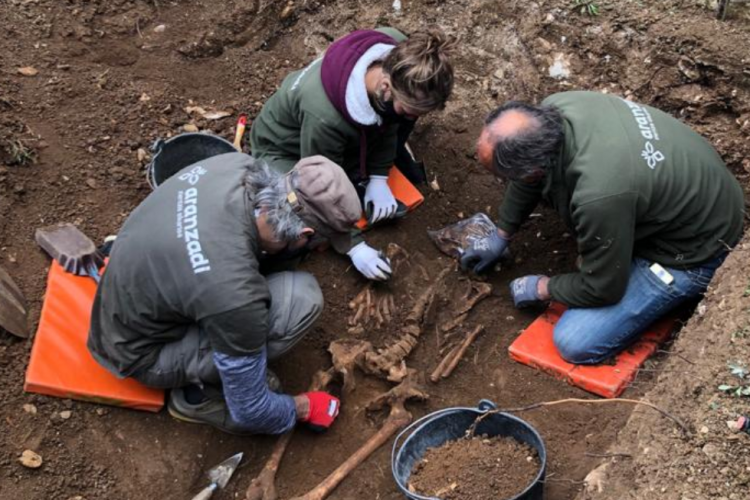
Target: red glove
324, 409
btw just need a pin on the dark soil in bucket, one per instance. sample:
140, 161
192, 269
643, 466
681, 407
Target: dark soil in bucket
477, 469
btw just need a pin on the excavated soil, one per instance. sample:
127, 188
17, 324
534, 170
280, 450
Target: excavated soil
107, 78
478, 468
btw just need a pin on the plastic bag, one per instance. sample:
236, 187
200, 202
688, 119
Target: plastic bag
454, 239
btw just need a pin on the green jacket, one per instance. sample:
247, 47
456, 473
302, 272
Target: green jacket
630, 181
187, 254
299, 121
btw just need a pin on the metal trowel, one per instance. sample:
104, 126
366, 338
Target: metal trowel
75, 252
219, 476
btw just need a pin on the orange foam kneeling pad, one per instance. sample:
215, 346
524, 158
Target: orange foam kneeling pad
61, 364
535, 347
403, 190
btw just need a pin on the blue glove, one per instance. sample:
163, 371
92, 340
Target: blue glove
524, 291
483, 253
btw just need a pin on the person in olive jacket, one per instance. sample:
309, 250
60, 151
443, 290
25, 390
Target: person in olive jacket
653, 208
356, 106
184, 304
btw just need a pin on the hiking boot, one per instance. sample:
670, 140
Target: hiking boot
212, 411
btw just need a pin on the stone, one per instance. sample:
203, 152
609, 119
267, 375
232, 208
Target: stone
30, 459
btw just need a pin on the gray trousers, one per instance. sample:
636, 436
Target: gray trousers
296, 302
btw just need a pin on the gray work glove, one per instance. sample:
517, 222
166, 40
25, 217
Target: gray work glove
483, 253
524, 291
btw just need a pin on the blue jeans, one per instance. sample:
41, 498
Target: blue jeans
592, 335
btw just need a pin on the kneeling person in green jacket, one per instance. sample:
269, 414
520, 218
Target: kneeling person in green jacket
183, 304
653, 208
356, 105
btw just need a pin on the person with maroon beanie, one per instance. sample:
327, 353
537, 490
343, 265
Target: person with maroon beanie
356, 105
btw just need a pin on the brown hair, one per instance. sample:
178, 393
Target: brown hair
421, 75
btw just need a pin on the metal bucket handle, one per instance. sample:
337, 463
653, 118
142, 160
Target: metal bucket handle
484, 406
156, 148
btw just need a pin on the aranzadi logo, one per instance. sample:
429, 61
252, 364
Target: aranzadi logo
193, 175
187, 221
652, 156
648, 131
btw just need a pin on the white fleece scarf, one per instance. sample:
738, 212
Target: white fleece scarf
357, 102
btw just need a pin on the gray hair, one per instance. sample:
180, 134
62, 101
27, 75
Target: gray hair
267, 190
532, 148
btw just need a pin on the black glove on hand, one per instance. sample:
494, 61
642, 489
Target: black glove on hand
483, 253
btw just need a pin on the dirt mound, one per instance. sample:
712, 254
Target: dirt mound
478, 468
654, 460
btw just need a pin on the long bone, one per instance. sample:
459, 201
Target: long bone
398, 418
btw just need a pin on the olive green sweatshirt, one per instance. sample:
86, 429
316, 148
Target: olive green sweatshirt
630, 181
300, 121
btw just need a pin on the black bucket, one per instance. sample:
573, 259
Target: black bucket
182, 150
438, 428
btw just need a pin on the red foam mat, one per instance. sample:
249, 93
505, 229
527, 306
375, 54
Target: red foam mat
535, 347
61, 364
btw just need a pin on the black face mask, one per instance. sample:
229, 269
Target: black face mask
387, 112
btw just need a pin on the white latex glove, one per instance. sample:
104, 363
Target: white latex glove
371, 263
378, 193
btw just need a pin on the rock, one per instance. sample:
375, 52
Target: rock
28, 71
142, 155
65, 415
30, 459
190, 127
560, 67
91, 183
160, 28
287, 11
710, 449
704, 430
29, 408
596, 480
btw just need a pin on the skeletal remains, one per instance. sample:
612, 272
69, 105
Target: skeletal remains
375, 305
386, 363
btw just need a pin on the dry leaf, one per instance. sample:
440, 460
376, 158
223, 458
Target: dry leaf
28, 71
216, 115
190, 127
195, 109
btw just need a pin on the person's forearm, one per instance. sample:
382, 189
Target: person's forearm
251, 404
542, 288
504, 234
302, 406
518, 202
